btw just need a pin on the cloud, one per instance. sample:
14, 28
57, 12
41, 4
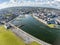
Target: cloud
2, 5
43, 3
57, 0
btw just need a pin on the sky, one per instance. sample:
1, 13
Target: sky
1, 1
42, 3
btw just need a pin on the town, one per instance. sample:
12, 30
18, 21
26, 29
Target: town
32, 23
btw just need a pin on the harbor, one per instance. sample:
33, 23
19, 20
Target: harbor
37, 29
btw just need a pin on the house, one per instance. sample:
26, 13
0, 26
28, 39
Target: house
52, 22
7, 26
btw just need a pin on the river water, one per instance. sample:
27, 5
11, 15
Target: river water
37, 29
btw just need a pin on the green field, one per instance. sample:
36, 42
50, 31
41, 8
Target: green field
51, 25
34, 43
8, 38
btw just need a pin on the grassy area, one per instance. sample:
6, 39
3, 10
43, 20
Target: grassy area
8, 38
51, 25
34, 43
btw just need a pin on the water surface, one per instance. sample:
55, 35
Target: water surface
37, 29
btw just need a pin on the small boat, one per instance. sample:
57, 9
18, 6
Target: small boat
21, 26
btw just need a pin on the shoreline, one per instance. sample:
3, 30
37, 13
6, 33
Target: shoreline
44, 22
